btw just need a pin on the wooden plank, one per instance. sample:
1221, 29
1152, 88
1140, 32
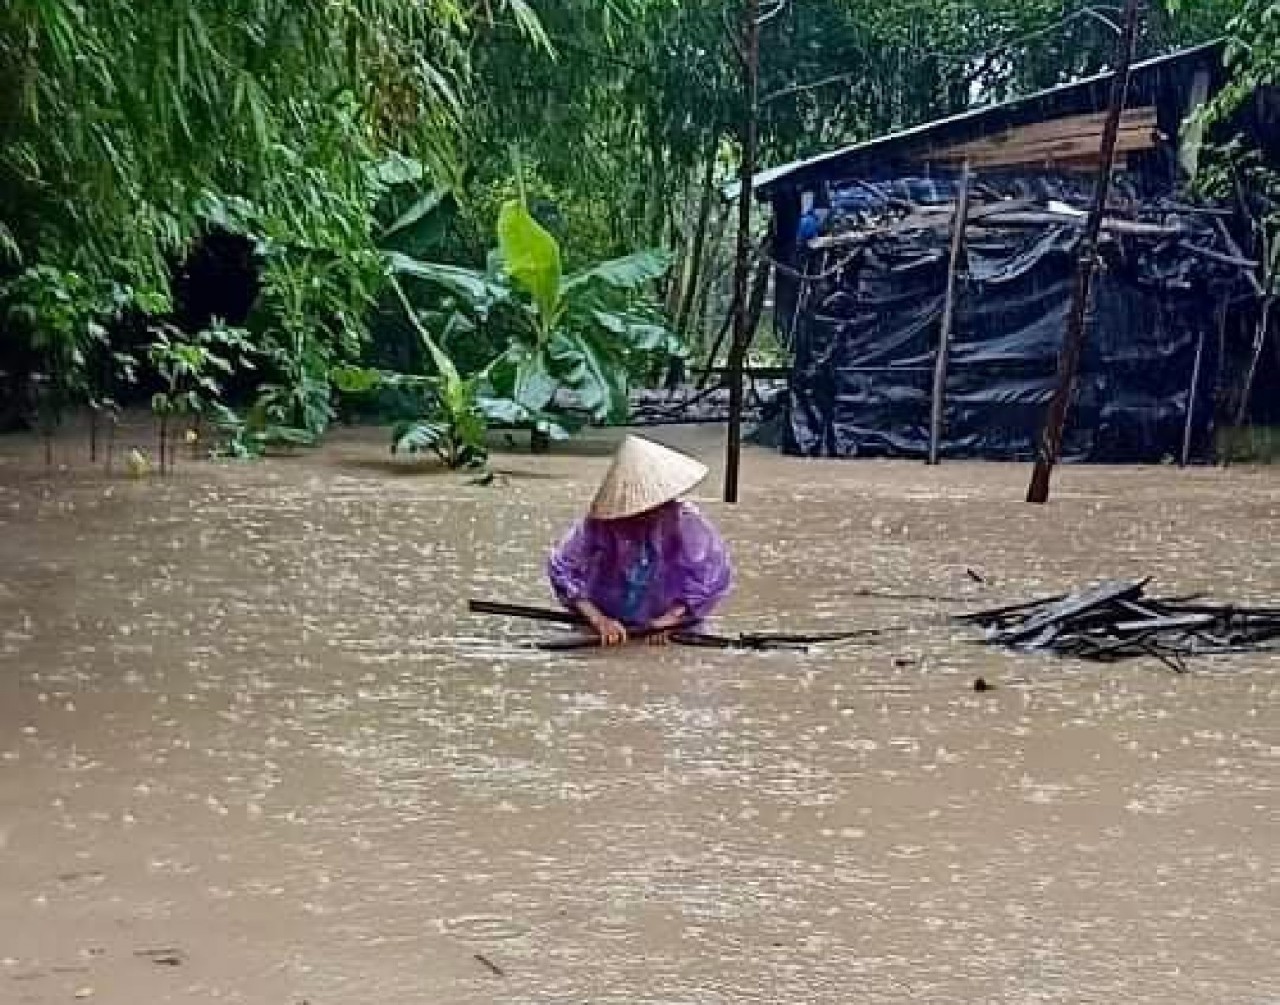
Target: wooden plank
1070, 152
1164, 624
1070, 126
995, 221
1060, 150
679, 635
1089, 140
1132, 228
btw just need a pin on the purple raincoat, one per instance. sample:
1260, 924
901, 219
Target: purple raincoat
636, 570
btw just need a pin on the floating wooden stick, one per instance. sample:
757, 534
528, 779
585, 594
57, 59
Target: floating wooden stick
489, 965
525, 611
680, 634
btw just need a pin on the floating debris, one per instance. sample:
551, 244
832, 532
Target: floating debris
1117, 620
489, 965
165, 957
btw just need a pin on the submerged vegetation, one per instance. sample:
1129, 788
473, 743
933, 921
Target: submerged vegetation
244, 212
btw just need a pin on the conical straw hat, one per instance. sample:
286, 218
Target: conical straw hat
643, 476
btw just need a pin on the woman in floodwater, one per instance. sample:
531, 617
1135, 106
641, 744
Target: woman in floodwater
642, 558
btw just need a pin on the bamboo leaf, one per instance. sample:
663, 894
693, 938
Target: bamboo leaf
9, 249
530, 25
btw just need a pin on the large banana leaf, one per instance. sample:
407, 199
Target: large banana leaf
589, 365
522, 376
627, 273
647, 337
532, 258
638, 335
566, 361
479, 291
505, 412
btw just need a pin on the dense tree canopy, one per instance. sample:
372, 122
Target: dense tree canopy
312, 129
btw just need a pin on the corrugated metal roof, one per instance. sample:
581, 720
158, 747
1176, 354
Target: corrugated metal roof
765, 180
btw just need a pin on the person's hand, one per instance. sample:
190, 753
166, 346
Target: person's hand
661, 626
611, 632
674, 618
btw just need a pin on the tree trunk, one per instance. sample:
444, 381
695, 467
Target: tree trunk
712, 274
696, 251
742, 261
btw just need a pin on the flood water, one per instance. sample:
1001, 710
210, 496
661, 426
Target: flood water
253, 748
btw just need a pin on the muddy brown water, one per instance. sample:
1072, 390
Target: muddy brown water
252, 749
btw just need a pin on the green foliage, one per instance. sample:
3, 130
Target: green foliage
192, 367
251, 436
1248, 444
585, 227
455, 422
579, 332
340, 135
62, 318
1252, 56
635, 124
1236, 171
57, 311
455, 429
278, 102
127, 130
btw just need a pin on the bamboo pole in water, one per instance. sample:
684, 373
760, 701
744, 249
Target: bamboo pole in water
1073, 342
680, 634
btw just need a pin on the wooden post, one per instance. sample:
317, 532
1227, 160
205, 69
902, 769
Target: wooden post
750, 53
948, 317
1073, 341
1191, 397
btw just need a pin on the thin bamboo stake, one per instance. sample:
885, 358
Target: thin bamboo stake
1191, 399
948, 319
1259, 343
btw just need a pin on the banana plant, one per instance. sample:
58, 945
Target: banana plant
455, 429
456, 418
582, 329
577, 332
